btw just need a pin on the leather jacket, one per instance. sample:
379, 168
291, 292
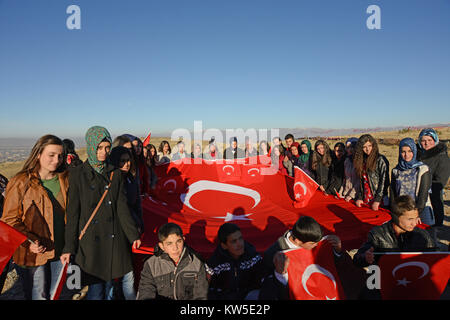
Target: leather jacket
378, 180
383, 239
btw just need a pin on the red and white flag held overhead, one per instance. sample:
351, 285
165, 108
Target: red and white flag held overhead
414, 276
10, 239
304, 188
312, 274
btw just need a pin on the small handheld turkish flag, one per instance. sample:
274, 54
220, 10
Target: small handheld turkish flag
304, 188
10, 239
312, 274
147, 140
414, 276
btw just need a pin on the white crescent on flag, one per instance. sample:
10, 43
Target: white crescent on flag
404, 282
253, 169
203, 185
228, 173
303, 187
172, 181
315, 268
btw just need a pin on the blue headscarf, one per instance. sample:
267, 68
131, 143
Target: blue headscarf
428, 132
352, 141
405, 165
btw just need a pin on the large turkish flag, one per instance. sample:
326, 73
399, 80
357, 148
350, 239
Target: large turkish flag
250, 193
414, 276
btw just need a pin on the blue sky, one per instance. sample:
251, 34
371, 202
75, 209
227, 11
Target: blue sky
151, 65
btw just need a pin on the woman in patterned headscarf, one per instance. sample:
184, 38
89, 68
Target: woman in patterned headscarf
104, 252
433, 153
305, 159
412, 177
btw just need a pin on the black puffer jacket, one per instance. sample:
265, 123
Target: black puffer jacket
438, 162
383, 239
378, 180
162, 279
234, 279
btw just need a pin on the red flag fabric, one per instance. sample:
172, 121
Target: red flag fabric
60, 283
312, 274
414, 276
10, 239
304, 188
254, 195
147, 140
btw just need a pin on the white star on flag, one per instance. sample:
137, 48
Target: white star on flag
403, 282
231, 217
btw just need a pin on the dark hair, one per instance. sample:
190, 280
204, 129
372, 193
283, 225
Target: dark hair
360, 158
400, 205
339, 144
225, 230
69, 146
161, 146
289, 136
151, 158
120, 141
307, 229
233, 139
116, 154
316, 157
167, 229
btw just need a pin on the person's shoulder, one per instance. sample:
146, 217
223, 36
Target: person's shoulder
380, 231
18, 181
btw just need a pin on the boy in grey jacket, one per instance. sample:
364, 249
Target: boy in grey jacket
175, 271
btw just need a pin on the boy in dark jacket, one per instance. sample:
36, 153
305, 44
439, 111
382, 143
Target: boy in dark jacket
235, 268
399, 234
175, 271
306, 234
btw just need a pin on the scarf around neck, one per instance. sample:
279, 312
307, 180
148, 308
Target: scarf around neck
405, 165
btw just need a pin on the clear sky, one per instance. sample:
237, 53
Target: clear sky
156, 65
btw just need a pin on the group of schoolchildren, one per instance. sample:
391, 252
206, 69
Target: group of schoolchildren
89, 213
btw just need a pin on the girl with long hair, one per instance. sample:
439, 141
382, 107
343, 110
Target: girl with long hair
337, 174
351, 180
35, 205
373, 170
151, 163
164, 153
321, 162
277, 160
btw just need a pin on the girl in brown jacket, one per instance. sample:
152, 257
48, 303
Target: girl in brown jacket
35, 204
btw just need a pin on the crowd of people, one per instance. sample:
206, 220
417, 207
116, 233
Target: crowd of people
90, 214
